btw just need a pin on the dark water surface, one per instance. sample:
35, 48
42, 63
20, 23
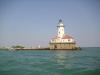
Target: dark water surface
45, 62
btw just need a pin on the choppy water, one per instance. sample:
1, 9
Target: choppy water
45, 62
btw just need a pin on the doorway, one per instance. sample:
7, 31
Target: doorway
55, 46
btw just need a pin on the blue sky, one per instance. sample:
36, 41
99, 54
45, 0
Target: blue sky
33, 22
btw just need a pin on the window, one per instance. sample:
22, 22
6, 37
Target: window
59, 32
68, 40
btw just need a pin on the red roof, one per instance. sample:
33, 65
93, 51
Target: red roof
64, 37
67, 37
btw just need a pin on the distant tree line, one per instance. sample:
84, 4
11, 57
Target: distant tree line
18, 47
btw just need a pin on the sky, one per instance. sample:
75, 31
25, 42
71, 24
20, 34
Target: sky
33, 22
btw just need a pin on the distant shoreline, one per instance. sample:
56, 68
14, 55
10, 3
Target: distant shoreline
79, 48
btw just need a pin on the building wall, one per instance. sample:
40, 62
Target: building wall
62, 46
58, 40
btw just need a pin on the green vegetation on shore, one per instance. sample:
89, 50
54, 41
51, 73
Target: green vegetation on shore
18, 47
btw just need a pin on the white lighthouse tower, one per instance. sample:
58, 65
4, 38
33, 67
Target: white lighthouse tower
60, 29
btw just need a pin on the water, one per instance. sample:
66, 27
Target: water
45, 62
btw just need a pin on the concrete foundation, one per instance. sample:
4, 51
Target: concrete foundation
57, 46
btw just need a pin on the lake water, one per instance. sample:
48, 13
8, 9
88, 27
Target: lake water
46, 62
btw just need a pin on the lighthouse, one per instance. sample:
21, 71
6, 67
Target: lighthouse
60, 29
62, 40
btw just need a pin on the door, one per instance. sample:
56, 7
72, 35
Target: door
55, 46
